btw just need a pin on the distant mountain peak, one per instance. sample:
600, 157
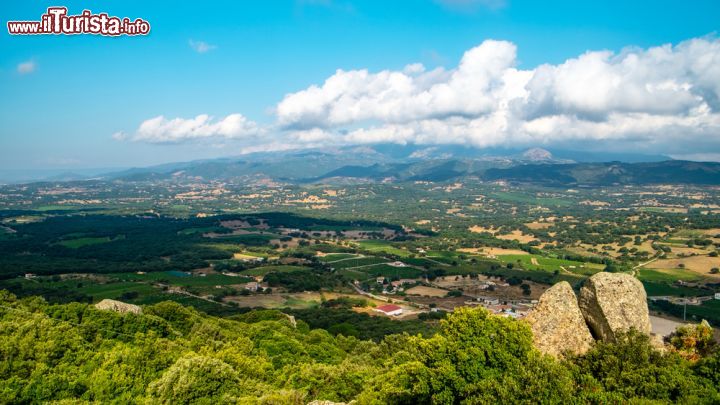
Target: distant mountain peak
537, 154
423, 153
365, 149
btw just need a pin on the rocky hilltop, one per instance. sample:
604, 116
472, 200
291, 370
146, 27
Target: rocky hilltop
118, 306
608, 304
557, 323
613, 303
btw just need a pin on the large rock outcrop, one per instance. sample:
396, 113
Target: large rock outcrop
557, 324
614, 303
118, 306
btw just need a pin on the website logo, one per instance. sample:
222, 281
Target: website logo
57, 22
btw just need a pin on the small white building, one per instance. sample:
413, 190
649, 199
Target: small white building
717, 295
380, 280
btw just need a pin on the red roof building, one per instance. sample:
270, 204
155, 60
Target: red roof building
389, 309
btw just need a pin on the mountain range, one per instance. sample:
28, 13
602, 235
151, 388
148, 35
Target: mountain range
390, 163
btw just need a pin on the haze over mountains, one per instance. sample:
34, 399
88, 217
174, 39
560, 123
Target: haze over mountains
391, 162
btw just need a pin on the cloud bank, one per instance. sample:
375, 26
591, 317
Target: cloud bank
665, 98
163, 130
663, 94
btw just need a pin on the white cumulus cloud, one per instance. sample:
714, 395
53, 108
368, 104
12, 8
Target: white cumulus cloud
663, 99
163, 130
201, 46
26, 67
347, 97
662, 96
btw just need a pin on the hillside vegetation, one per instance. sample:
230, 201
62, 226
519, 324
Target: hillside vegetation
175, 354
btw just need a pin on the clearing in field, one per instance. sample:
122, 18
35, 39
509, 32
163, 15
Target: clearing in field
382, 246
594, 203
583, 248
353, 274
24, 219
539, 225
332, 257
80, 242
389, 271
517, 235
534, 262
667, 275
292, 300
700, 265
245, 257
358, 262
684, 250
262, 271
427, 291
665, 209
711, 232
482, 229
493, 251
241, 224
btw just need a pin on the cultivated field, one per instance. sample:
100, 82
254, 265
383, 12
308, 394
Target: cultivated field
700, 265
427, 291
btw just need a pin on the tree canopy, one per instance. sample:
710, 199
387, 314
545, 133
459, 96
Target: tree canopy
175, 354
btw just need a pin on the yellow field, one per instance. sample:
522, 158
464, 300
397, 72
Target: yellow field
241, 256
493, 251
292, 300
676, 250
517, 235
698, 264
480, 229
711, 232
539, 225
427, 291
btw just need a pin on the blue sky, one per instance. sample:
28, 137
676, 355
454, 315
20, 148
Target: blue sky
83, 89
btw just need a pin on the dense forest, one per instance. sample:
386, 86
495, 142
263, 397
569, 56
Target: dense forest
109, 243
175, 354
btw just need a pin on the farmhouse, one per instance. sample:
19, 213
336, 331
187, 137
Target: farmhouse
389, 310
402, 282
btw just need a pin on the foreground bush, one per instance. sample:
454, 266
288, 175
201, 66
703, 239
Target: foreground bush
174, 354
